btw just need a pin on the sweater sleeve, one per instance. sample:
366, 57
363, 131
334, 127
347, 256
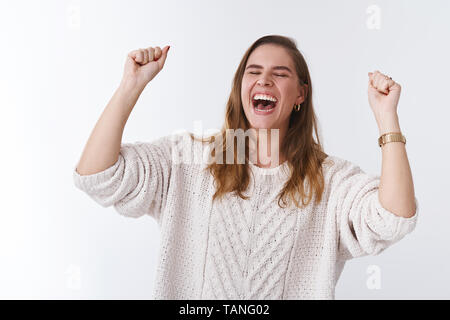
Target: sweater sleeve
364, 226
137, 183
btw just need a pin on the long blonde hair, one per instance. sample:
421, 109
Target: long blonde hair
304, 155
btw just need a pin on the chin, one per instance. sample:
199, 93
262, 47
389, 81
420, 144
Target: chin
258, 124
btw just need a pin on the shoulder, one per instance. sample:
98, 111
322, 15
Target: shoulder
343, 174
181, 147
179, 140
336, 167
334, 163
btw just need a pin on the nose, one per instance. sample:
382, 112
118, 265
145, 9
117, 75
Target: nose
263, 81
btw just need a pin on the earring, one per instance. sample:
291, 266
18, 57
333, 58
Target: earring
297, 107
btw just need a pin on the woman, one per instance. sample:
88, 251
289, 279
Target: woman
256, 229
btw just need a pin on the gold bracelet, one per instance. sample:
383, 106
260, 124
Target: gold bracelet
391, 137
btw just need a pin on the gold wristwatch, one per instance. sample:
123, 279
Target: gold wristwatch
391, 137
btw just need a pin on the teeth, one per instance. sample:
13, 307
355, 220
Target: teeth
264, 97
264, 110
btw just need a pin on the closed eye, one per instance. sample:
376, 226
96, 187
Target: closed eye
280, 75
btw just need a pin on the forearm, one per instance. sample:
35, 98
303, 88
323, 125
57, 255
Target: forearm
396, 190
103, 146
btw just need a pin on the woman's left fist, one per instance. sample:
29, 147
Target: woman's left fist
384, 93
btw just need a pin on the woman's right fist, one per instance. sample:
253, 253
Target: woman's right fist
143, 65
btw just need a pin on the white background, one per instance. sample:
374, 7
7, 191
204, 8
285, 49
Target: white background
60, 62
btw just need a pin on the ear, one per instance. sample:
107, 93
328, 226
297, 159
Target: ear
303, 94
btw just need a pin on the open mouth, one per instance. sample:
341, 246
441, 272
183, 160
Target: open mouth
263, 105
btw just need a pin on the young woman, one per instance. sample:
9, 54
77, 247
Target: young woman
279, 225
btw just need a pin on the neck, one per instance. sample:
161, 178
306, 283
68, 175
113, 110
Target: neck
268, 146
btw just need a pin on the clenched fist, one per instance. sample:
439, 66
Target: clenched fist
384, 93
143, 65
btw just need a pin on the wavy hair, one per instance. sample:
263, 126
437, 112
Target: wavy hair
304, 154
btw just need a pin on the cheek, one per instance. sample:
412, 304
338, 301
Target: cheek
245, 94
287, 108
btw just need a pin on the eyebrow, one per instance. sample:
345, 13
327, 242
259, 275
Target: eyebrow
257, 66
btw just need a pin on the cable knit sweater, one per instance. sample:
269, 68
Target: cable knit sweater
244, 249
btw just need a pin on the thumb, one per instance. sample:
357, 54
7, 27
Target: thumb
371, 86
163, 57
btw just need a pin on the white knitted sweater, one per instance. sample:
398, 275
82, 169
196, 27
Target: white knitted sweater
244, 249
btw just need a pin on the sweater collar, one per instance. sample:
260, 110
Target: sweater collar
280, 173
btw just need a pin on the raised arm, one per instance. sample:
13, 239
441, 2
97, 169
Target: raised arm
134, 177
103, 146
396, 185
374, 212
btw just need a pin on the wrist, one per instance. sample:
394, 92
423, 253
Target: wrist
388, 122
130, 86
127, 94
